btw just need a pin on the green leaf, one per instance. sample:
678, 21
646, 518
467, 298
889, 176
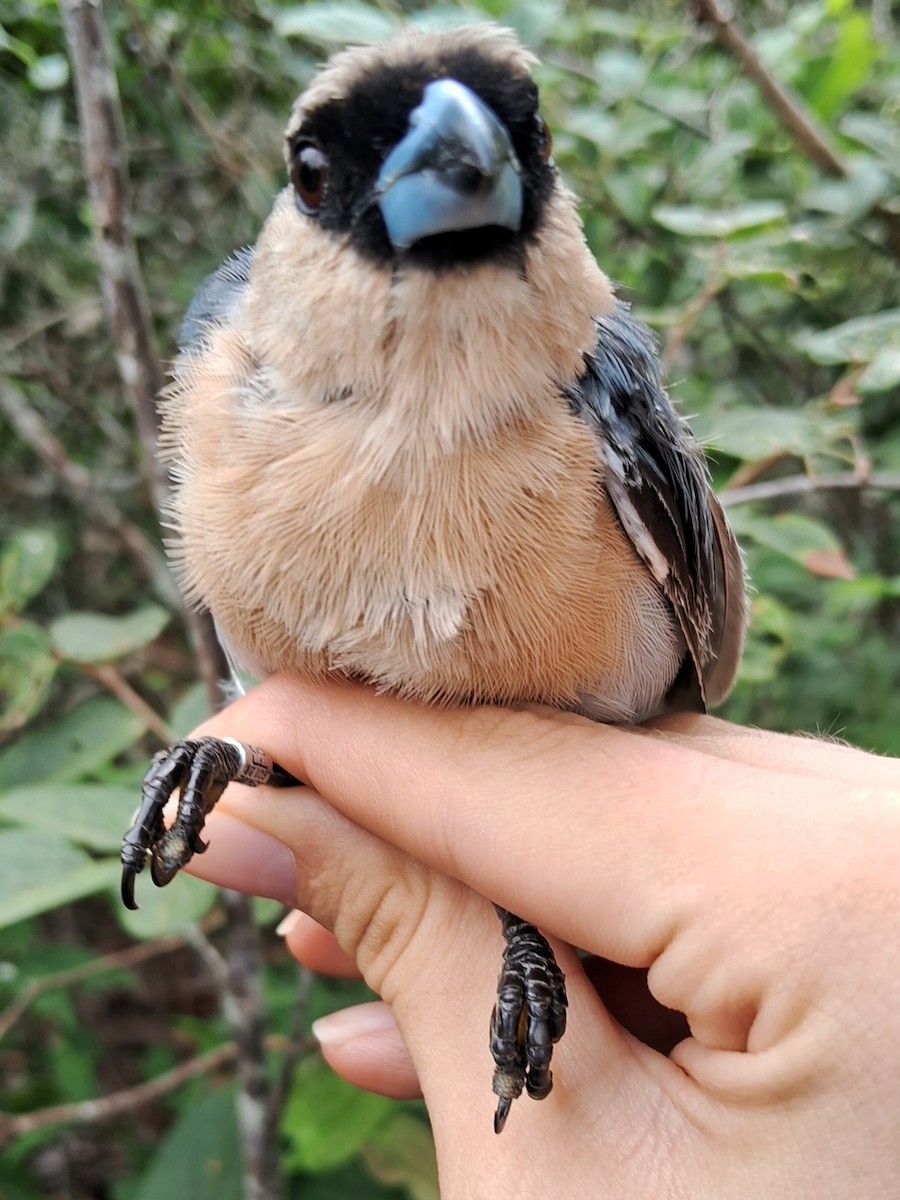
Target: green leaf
200, 1156
880, 135
42, 871
26, 563
620, 72
334, 23
751, 434
49, 73
94, 638
798, 537
769, 639
94, 815
190, 710
74, 746
265, 911
325, 1120
27, 667
401, 1153
855, 341
692, 221
853, 197
847, 67
184, 901
882, 373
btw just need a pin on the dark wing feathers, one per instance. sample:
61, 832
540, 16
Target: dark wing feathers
656, 477
215, 299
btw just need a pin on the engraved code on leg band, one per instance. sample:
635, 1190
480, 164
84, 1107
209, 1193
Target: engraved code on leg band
256, 765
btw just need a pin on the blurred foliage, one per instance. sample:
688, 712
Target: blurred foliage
775, 292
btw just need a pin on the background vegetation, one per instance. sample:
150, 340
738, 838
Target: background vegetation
765, 255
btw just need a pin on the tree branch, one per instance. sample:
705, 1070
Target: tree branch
244, 1009
90, 1112
802, 485
121, 282
33, 430
116, 961
115, 682
790, 110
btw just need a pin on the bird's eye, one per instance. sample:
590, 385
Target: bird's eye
545, 138
309, 175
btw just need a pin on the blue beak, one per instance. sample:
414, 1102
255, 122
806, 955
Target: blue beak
454, 170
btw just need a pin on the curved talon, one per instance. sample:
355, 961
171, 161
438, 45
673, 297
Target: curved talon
503, 1106
161, 876
129, 875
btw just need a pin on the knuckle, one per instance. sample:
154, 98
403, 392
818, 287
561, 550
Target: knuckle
377, 919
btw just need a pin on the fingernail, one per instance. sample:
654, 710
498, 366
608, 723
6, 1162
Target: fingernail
288, 922
347, 1024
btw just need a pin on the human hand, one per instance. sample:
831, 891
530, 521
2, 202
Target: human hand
746, 880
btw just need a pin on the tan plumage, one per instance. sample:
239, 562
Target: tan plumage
379, 474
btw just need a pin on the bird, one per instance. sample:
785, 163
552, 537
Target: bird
416, 441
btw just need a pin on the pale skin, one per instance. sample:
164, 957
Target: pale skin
749, 880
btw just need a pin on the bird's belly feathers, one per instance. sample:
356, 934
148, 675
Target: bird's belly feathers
497, 572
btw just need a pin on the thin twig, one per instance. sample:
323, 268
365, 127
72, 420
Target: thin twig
231, 150
800, 485
296, 1045
90, 1112
128, 1100
565, 62
680, 331
209, 955
116, 683
116, 961
34, 431
790, 110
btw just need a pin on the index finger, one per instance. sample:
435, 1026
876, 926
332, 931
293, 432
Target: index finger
647, 826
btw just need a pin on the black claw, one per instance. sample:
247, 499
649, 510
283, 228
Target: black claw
200, 771
529, 1016
129, 875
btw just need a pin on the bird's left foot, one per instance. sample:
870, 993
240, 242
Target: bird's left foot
528, 1018
201, 770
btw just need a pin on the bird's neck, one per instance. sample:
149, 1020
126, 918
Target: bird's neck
425, 359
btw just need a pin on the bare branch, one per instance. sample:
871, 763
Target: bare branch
801, 485
244, 1009
296, 1044
91, 1112
122, 285
105, 160
33, 430
116, 961
116, 683
680, 331
790, 110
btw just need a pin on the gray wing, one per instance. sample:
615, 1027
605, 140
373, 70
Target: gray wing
657, 481
213, 304
215, 299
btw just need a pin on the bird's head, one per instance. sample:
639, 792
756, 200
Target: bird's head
426, 258
429, 149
